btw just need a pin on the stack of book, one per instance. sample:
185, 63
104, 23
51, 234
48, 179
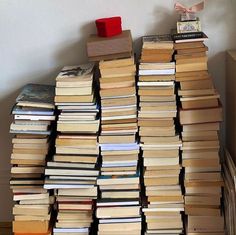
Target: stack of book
158, 139
32, 128
119, 216
119, 207
200, 116
73, 172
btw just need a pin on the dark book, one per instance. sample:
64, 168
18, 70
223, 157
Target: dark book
36, 95
104, 177
184, 36
20, 110
157, 38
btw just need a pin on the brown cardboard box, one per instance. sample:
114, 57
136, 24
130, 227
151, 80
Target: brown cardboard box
101, 48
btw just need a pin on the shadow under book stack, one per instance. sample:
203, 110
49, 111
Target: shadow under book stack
200, 116
32, 126
158, 139
118, 209
72, 172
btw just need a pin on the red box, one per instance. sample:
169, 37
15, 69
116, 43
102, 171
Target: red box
108, 27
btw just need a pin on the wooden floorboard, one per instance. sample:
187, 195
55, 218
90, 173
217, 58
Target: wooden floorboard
5, 228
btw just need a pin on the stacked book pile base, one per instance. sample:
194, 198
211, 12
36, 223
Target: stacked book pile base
158, 139
119, 207
200, 115
72, 172
32, 129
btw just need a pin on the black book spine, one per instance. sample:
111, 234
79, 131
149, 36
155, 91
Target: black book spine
180, 36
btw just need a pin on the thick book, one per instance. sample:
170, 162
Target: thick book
30, 226
194, 116
118, 212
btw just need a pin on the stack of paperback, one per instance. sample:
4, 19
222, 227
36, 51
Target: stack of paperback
32, 127
119, 208
200, 116
72, 172
158, 139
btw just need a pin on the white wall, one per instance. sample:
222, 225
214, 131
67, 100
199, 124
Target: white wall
37, 38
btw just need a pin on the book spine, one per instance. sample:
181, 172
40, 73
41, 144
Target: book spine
181, 36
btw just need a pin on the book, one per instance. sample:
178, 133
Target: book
157, 42
36, 95
157, 72
116, 63
118, 212
30, 227
78, 73
188, 37
201, 115
200, 102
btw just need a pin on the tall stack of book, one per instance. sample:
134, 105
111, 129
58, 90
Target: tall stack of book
158, 139
32, 128
119, 208
200, 116
72, 172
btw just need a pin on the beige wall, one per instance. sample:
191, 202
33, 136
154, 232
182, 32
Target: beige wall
37, 38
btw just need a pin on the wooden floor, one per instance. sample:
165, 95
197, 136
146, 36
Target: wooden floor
5, 231
5, 228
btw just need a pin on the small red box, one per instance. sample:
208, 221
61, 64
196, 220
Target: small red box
108, 27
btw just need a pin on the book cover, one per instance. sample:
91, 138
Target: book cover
157, 38
19, 110
36, 93
82, 71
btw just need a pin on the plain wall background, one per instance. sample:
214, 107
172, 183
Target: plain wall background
37, 38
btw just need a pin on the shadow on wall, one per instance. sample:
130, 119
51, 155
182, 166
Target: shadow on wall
216, 65
221, 15
5, 146
75, 52
165, 20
